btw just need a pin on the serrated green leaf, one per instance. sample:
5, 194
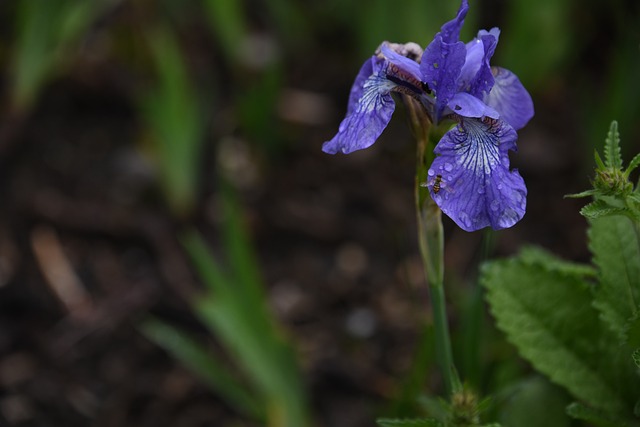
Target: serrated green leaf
599, 163
546, 313
600, 208
535, 402
614, 245
598, 418
409, 422
436, 407
636, 357
634, 163
612, 155
586, 193
633, 203
632, 331
538, 258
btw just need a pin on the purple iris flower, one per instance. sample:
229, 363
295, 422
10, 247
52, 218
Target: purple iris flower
470, 179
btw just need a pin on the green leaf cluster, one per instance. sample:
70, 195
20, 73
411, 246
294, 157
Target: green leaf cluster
464, 409
613, 193
577, 324
260, 377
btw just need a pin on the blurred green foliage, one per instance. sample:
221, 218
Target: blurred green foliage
264, 381
46, 32
176, 122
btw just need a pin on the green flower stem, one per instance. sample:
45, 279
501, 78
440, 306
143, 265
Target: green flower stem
431, 243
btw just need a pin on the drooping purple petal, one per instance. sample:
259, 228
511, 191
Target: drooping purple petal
405, 68
510, 98
475, 187
370, 116
440, 66
356, 89
467, 105
451, 30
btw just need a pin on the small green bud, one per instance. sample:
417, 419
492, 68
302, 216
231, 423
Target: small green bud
464, 408
612, 182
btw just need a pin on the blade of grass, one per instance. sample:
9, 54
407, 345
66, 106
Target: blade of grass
45, 33
176, 122
205, 365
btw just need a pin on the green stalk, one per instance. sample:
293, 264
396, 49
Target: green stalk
431, 243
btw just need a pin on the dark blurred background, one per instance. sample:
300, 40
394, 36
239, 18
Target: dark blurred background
125, 124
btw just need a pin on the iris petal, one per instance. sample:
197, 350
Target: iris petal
472, 63
467, 105
510, 98
475, 187
410, 67
370, 115
356, 89
440, 66
483, 80
451, 30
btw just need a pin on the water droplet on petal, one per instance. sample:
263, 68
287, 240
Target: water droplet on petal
464, 219
481, 190
499, 186
448, 167
431, 172
495, 205
508, 218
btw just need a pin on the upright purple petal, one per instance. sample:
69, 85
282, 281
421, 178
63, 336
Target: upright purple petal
475, 187
510, 98
473, 61
483, 80
370, 116
451, 30
440, 66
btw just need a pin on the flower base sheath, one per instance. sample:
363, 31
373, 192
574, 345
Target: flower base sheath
470, 178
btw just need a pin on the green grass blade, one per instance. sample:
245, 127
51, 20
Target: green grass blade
240, 254
176, 122
247, 330
227, 20
205, 365
45, 32
217, 281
